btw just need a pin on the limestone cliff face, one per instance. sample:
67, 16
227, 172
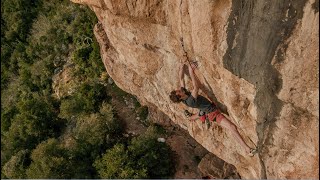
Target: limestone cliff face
258, 61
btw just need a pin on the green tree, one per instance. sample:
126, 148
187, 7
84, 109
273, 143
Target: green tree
156, 157
16, 20
36, 121
6, 117
88, 60
96, 132
15, 168
87, 99
115, 164
9, 99
93, 134
70, 107
40, 114
49, 161
144, 157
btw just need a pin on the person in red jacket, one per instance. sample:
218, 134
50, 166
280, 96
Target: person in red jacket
207, 108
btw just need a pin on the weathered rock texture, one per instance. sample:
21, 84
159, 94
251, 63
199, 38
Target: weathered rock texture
258, 61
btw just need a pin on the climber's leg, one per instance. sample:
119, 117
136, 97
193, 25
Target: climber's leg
224, 122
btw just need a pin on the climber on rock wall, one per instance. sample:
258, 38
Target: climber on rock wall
207, 109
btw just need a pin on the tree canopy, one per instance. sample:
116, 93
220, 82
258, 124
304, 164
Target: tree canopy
76, 135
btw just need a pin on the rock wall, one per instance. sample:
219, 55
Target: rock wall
258, 61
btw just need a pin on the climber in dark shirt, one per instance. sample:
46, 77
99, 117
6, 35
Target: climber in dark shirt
207, 109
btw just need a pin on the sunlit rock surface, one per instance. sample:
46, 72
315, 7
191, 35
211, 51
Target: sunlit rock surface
258, 61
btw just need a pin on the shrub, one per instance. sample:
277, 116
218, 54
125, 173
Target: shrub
49, 161
92, 135
15, 168
95, 133
144, 157
146, 151
116, 164
86, 100
143, 114
35, 121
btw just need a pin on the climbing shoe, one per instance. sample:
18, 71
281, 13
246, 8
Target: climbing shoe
187, 113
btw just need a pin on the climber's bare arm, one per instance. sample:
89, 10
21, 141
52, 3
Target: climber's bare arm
181, 70
195, 84
181, 75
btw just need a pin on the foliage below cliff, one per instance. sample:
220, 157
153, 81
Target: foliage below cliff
46, 137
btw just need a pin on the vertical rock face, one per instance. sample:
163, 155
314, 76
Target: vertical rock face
258, 61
